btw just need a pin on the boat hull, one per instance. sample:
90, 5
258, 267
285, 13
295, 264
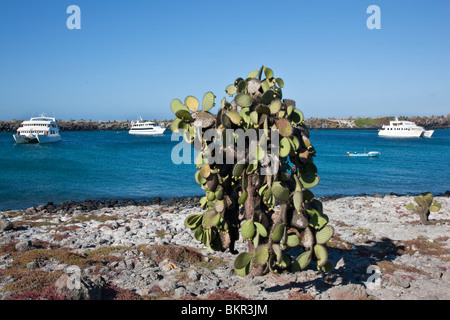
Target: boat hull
147, 132
40, 138
400, 134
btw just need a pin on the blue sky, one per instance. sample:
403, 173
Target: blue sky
131, 58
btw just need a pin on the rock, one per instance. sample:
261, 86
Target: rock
167, 284
180, 293
401, 281
156, 200
348, 292
76, 287
193, 275
5, 225
24, 246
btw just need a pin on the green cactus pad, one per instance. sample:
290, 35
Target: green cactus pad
234, 116
261, 230
199, 179
184, 115
243, 100
193, 221
316, 220
268, 73
280, 191
259, 153
302, 261
242, 86
206, 237
248, 229
278, 252
265, 86
278, 232
324, 234
292, 240
219, 194
253, 74
434, 208
174, 125
245, 114
238, 169
297, 199
254, 117
308, 175
208, 101
242, 198
219, 206
284, 127
192, 103
275, 106
261, 255
295, 143
280, 82
208, 219
231, 90
327, 267
205, 171
409, 206
176, 105
198, 233
321, 254
285, 147
243, 264
268, 97
297, 116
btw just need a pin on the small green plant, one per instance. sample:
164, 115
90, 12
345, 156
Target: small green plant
424, 204
263, 193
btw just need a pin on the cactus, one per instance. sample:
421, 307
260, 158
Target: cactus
425, 204
274, 211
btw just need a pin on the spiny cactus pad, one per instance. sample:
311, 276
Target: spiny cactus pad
263, 194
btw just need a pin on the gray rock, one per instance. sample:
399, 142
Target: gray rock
82, 288
5, 225
193, 275
180, 293
401, 281
167, 285
348, 292
24, 246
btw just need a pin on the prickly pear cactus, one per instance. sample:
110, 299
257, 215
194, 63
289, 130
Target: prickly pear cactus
424, 204
263, 193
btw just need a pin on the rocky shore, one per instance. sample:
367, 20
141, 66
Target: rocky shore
433, 122
142, 250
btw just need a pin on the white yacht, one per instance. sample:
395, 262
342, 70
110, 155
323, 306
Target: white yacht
404, 129
38, 130
144, 127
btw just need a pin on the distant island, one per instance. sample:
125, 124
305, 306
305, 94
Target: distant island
431, 122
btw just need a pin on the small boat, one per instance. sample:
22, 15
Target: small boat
38, 130
144, 127
404, 129
364, 154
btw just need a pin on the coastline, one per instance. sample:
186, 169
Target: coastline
94, 204
348, 123
142, 250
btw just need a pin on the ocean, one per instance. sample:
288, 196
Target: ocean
101, 165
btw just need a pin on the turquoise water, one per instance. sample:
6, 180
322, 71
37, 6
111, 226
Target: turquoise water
103, 165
